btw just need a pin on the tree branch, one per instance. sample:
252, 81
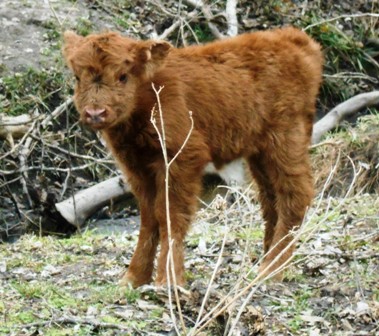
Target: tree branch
231, 17
208, 16
76, 209
342, 111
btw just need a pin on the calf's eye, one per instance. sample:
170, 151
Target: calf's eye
77, 78
123, 78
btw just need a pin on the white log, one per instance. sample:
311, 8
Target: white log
79, 207
231, 17
14, 127
342, 111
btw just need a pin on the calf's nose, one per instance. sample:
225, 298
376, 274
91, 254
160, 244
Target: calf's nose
94, 112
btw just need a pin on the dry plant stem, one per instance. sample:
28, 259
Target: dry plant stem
57, 112
24, 152
352, 75
326, 143
170, 259
73, 320
282, 267
168, 31
178, 23
259, 280
19, 144
208, 16
343, 110
56, 169
20, 120
218, 263
345, 255
14, 127
341, 17
73, 154
255, 283
61, 108
224, 305
242, 277
54, 13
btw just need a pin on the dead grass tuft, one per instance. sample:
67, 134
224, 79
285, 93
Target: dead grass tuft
358, 145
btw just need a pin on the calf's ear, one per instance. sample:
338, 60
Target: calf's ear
70, 42
157, 50
150, 56
154, 51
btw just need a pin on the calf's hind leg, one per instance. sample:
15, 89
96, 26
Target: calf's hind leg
266, 195
290, 174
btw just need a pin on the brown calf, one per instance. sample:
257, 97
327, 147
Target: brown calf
252, 97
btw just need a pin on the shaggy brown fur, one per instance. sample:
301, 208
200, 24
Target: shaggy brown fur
252, 96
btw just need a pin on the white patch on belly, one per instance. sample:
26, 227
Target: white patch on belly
232, 173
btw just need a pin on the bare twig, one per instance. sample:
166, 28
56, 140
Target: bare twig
170, 259
215, 269
41, 168
345, 255
305, 229
352, 75
74, 320
57, 112
54, 13
208, 16
346, 16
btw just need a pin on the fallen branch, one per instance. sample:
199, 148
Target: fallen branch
344, 255
79, 207
74, 320
342, 111
345, 16
76, 209
208, 16
231, 17
18, 127
14, 127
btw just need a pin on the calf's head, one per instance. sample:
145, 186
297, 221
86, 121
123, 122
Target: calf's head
109, 69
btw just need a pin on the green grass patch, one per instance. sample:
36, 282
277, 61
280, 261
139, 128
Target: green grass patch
24, 92
84, 27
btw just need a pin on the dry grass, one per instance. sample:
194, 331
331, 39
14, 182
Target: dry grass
359, 144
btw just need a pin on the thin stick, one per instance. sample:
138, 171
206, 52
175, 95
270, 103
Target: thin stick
345, 16
170, 259
54, 13
218, 263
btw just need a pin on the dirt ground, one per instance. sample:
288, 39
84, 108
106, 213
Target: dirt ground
25, 26
51, 286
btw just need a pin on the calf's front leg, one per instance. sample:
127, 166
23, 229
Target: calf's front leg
183, 191
141, 267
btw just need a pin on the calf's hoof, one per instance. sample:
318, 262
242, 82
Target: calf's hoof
162, 281
129, 279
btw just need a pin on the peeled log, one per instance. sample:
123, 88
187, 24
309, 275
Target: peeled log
79, 207
90, 200
14, 127
342, 111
